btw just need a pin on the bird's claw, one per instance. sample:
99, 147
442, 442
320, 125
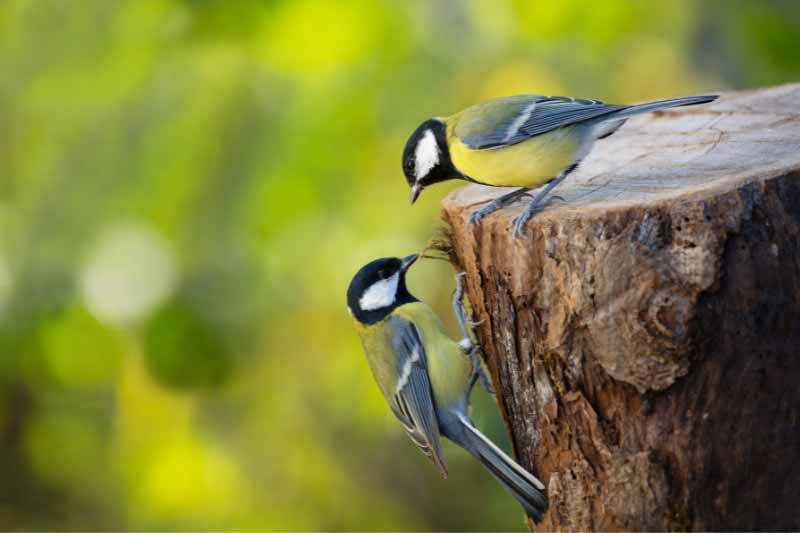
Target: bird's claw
480, 214
467, 345
458, 307
520, 221
494, 205
478, 372
519, 224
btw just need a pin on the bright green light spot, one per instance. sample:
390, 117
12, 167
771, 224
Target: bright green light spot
80, 351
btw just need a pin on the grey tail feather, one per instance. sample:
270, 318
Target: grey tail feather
607, 129
661, 104
525, 488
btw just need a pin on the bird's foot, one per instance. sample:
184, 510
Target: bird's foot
461, 312
480, 214
467, 345
494, 205
479, 372
532, 209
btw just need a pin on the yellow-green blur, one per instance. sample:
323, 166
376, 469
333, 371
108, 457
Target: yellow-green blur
187, 188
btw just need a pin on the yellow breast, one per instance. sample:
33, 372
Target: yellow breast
448, 368
530, 163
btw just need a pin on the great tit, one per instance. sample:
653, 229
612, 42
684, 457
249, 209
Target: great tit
425, 376
517, 141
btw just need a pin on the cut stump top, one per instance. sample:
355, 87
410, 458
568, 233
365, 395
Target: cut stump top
697, 150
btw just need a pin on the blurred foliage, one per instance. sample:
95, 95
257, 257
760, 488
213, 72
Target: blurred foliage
186, 188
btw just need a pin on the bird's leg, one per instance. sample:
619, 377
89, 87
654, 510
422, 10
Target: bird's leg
461, 313
520, 221
538, 203
495, 204
478, 371
466, 344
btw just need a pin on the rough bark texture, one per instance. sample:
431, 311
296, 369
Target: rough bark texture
644, 336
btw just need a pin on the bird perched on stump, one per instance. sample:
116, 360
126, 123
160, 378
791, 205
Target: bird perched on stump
523, 141
425, 376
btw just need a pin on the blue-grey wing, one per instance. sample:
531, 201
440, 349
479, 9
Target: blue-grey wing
412, 402
538, 115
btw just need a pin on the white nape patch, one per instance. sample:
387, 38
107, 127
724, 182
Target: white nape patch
514, 127
426, 155
380, 294
405, 373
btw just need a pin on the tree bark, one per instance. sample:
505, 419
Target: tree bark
644, 335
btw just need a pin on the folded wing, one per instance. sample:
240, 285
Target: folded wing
533, 116
412, 401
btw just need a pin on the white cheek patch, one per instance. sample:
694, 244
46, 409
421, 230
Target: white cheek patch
426, 155
380, 294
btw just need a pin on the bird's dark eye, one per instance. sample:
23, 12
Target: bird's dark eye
381, 274
409, 166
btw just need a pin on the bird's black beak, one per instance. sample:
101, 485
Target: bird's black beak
415, 190
408, 261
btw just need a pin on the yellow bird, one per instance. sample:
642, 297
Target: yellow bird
521, 141
425, 376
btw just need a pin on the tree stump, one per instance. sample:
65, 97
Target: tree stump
644, 336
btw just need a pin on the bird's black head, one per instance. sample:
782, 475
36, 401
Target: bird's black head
378, 288
426, 157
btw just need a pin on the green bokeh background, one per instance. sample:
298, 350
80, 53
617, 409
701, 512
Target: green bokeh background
186, 188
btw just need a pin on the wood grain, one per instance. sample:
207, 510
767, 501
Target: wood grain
644, 336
